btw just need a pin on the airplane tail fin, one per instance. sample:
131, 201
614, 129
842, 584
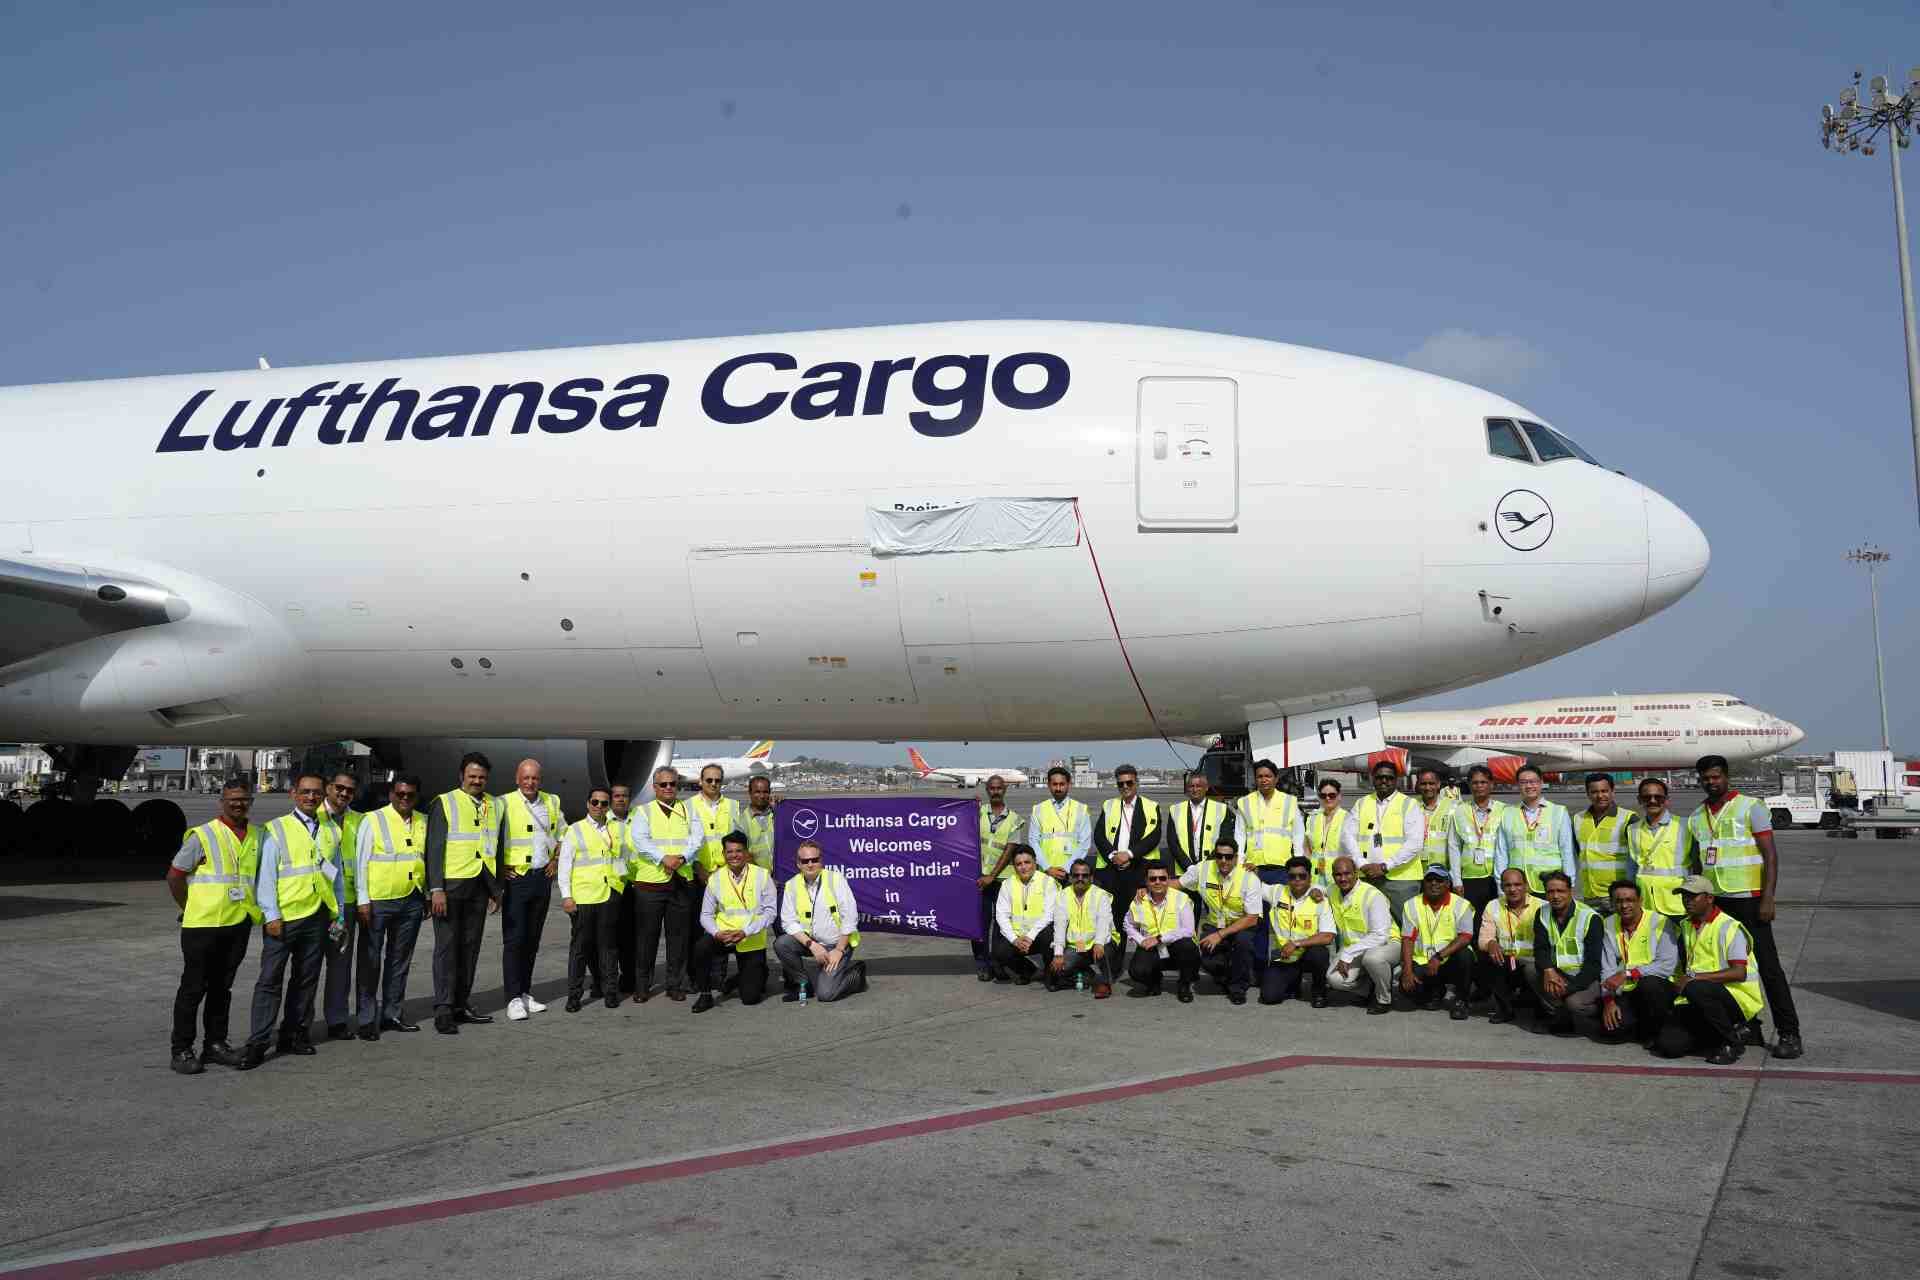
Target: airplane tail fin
761, 750
918, 761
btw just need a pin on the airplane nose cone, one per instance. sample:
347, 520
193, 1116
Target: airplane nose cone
1790, 734
1677, 553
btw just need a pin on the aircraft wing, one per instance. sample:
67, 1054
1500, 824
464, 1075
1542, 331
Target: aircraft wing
46, 606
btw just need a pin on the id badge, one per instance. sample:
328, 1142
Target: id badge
236, 894
1711, 857
326, 868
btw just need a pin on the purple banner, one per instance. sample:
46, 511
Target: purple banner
912, 863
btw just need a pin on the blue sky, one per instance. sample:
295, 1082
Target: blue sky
1618, 215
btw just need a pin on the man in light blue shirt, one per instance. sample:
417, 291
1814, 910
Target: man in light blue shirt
1060, 828
1533, 832
301, 893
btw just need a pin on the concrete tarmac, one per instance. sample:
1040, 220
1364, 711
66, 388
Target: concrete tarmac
937, 1126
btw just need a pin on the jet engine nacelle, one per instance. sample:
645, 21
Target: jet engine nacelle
569, 767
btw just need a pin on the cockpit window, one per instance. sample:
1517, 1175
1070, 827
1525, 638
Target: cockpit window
1574, 445
1549, 446
1503, 441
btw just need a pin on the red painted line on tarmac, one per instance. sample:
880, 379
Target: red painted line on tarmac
357, 1220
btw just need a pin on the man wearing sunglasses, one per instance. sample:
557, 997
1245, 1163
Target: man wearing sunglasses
1302, 929
338, 812
819, 923
1160, 926
1083, 933
1125, 839
591, 877
1662, 851
1231, 896
391, 878
299, 891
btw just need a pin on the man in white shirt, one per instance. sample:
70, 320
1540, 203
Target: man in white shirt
1329, 833
736, 912
1391, 829
1023, 918
592, 878
1059, 827
818, 925
1160, 926
1083, 933
1369, 941
531, 827
1302, 931
1231, 899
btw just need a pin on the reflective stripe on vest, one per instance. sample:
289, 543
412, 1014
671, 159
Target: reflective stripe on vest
1601, 853
994, 839
1438, 820
473, 831
397, 856
1082, 911
717, 824
1535, 850
521, 831
669, 829
1027, 908
1428, 923
1660, 866
1350, 913
759, 829
803, 904
1053, 832
304, 880
1266, 829
1707, 953
1570, 944
1323, 843
347, 832
734, 904
1514, 929
1292, 921
228, 863
1379, 827
1636, 947
1216, 895
1477, 837
1213, 815
1729, 855
1155, 922
1110, 817
598, 869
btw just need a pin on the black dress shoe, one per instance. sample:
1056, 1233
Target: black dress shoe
788, 997
398, 1024
1458, 1011
250, 1057
1185, 994
1319, 999
1499, 1016
300, 1047
676, 995
1727, 1053
1002, 977
594, 992
220, 1054
338, 1031
370, 1034
1788, 1046
445, 1025
613, 1000
185, 1063
1022, 979
1236, 997
704, 1003
468, 1015
729, 986
1378, 1007
983, 975
1141, 993
573, 1004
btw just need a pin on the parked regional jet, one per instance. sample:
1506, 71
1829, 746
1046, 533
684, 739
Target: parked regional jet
757, 760
958, 776
1610, 731
946, 531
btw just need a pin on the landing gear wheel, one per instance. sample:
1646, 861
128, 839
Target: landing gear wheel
159, 827
13, 830
106, 830
53, 829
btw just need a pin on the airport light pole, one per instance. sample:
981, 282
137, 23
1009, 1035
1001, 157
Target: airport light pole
1859, 126
1873, 557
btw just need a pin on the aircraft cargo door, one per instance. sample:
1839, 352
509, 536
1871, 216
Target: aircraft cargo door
800, 626
1187, 454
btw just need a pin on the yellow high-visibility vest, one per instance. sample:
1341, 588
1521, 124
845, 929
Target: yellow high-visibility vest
759, 829
1570, 943
1729, 855
1661, 861
304, 881
397, 861
1350, 912
734, 904
1478, 837
1089, 917
1110, 816
1514, 929
598, 870
803, 903
671, 829
518, 816
1707, 953
1293, 920
473, 834
220, 888
1027, 909
1381, 824
1266, 828
1218, 896
1636, 945
1599, 853
717, 823
995, 837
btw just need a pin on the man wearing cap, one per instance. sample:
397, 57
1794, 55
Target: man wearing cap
1566, 952
1230, 895
1160, 926
1392, 830
1734, 836
1369, 940
1083, 933
1302, 931
1639, 953
1436, 934
1716, 991
1506, 965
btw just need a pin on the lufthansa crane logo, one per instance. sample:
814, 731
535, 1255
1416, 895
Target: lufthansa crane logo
806, 824
1523, 520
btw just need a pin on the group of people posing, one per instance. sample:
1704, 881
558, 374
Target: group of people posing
335, 891
1615, 924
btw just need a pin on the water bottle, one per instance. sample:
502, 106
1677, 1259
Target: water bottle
1080, 981
803, 993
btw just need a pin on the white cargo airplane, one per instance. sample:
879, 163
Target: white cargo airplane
1033, 530
958, 776
1606, 731
757, 760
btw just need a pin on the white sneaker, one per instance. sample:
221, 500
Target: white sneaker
533, 1006
516, 1011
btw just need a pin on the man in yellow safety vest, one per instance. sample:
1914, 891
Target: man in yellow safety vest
1639, 955
1000, 826
664, 840
1023, 918
531, 828
1716, 992
1160, 927
1436, 933
591, 875
1230, 899
1505, 964
1300, 924
736, 918
1566, 956
1194, 828
1060, 828
1391, 829
1369, 940
299, 889
390, 857
1126, 837
211, 880
1083, 933
1600, 848
1329, 834
1662, 853
463, 857
819, 925
1536, 835
337, 985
